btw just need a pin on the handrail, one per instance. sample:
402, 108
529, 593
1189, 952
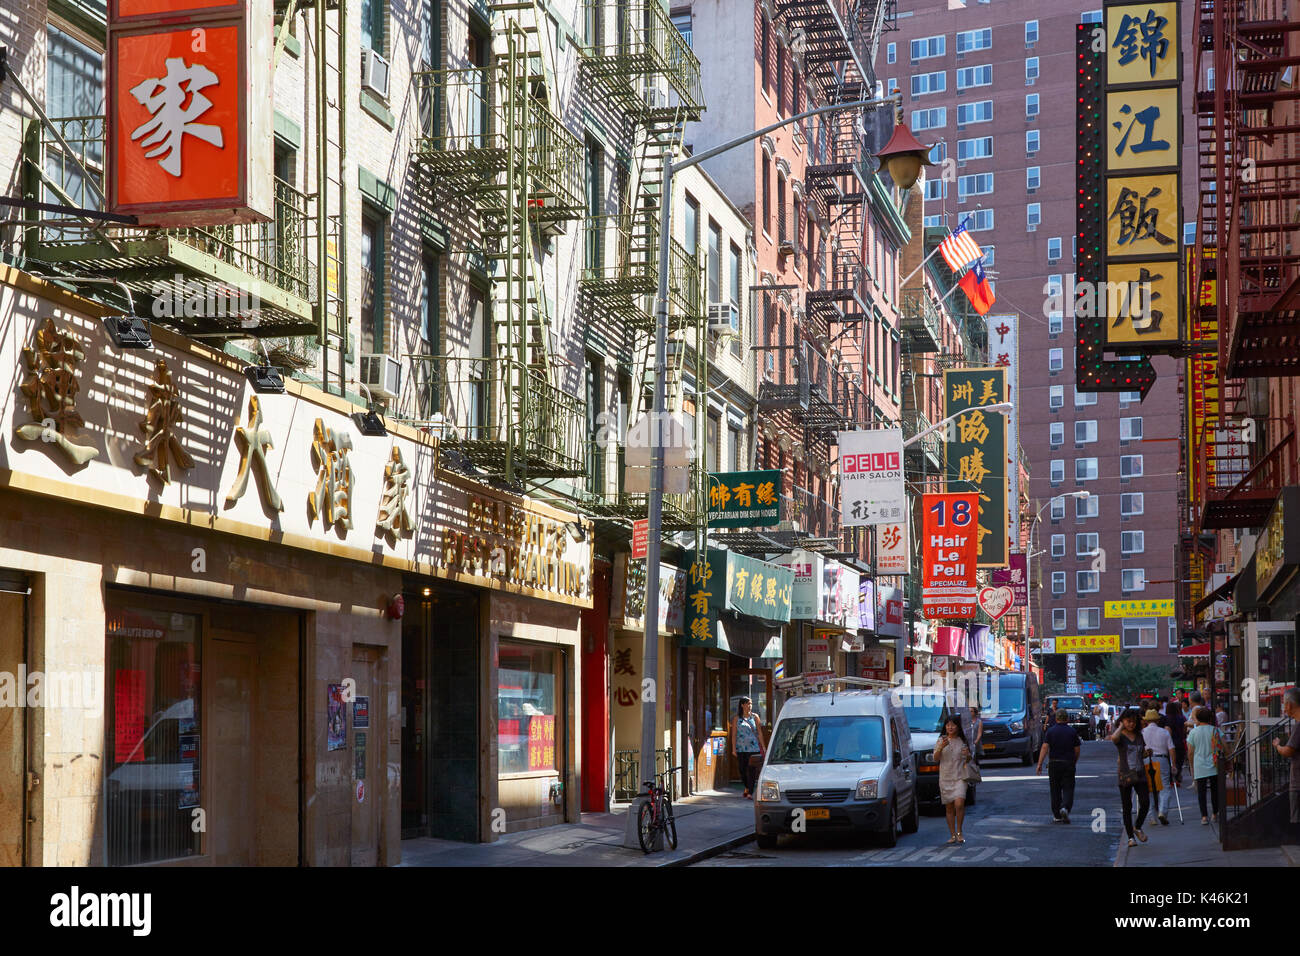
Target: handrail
1252, 772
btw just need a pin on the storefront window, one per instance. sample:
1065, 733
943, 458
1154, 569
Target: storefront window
716, 716
152, 747
527, 735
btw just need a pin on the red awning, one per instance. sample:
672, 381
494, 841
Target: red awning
1195, 650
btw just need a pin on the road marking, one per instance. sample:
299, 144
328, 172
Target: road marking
1042, 777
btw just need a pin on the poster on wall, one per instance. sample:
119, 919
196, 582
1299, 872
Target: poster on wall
336, 718
128, 716
871, 477
949, 548
541, 742
361, 713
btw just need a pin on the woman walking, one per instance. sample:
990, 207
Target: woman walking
1201, 753
747, 743
952, 753
1133, 752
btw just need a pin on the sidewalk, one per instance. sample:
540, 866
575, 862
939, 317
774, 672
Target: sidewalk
707, 823
1192, 843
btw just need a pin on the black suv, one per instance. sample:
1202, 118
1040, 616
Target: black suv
1078, 713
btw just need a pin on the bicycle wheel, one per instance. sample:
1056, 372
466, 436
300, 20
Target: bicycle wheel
645, 827
670, 825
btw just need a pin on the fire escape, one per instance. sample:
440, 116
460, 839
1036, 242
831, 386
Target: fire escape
1245, 274
490, 133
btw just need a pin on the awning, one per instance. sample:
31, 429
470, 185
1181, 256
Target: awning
1195, 650
1222, 593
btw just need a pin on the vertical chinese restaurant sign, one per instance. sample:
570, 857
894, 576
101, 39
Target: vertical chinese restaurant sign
948, 552
975, 453
189, 115
1015, 578
871, 477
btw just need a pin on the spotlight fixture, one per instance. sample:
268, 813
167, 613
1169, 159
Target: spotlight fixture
128, 332
576, 530
371, 422
265, 379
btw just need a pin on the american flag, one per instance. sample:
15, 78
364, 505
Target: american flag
959, 250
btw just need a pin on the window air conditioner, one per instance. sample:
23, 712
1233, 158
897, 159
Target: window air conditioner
374, 73
382, 374
724, 317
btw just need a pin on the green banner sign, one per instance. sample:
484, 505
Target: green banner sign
975, 453
727, 581
744, 499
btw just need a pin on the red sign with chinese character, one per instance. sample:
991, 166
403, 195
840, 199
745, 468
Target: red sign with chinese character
541, 742
640, 537
949, 549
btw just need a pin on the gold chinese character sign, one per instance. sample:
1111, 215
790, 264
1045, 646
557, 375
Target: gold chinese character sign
1142, 215
1142, 43
51, 392
162, 446
253, 441
1146, 303
395, 502
332, 496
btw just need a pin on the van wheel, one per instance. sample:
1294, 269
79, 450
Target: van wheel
912, 822
765, 841
890, 837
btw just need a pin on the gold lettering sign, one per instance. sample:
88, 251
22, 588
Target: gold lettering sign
1142, 129
1144, 309
1142, 43
1142, 215
1087, 643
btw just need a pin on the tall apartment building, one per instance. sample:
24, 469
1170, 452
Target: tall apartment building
992, 86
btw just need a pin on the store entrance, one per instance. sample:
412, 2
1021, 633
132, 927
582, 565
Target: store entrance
440, 712
13, 720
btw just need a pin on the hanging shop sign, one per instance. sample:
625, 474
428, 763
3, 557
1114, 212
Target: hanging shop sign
189, 117
1151, 608
1276, 550
744, 499
1015, 577
949, 641
892, 554
1087, 644
889, 612
871, 477
724, 581
807, 598
975, 453
628, 595
867, 604
995, 602
839, 604
949, 549
1004, 352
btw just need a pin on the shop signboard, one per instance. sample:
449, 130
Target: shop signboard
839, 596
892, 554
949, 641
1157, 607
949, 550
722, 580
867, 604
1004, 352
1276, 550
975, 453
1086, 644
1015, 577
628, 595
871, 477
889, 611
807, 596
874, 663
744, 499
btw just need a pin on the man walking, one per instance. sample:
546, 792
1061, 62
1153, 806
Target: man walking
1162, 748
1199, 701
1291, 749
1061, 751
1177, 727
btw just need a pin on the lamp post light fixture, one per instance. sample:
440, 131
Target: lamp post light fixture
903, 156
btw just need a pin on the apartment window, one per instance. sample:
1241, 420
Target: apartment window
927, 47
767, 195
939, 151
1133, 579
1058, 618
1090, 16
796, 89
692, 225
734, 290
1054, 249
373, 15
682, 21
1056, 433
1130, 504
1130, 429
935, 189
1033, 215
1057, 512
971, 76
714, 267
929, 119
1088, 618
1031, 69
1087, 544
1130, 398
924, 83
932, 222
1087, 582
1130, 466
372, 281
1031, 32
1085, 469
970, 40
1053, 285
1055, 360
765, 49
1055, 396
1085, 432
430, 395
74, 86
981, 220
1033, 177
1058, 582
1058, 545
1189, 233
978, 184
1088, 507
989, 257
979, 147
891, 54
782, 233
1055, 325
891, 84
1032, 139
780, 78
1031, 105
1132, 542
1057, 471
1139, 632
1084, 399
981, 112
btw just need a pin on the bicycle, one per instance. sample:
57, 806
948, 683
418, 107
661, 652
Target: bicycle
656, 814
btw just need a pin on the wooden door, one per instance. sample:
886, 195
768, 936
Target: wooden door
232, 665
13, 733
367, 751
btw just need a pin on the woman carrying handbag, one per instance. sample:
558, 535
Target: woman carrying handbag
1133, 752
953, 755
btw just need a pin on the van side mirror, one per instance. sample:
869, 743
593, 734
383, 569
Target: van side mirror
898, 759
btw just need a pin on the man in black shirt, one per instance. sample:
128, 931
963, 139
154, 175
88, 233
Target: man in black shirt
1061, 751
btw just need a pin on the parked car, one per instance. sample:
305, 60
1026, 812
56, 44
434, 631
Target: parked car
1013, 716
1078, 712
927, 712
838, 762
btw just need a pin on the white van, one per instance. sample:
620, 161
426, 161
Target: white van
839, 761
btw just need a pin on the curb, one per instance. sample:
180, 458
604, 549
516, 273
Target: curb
1121, 854
712, 851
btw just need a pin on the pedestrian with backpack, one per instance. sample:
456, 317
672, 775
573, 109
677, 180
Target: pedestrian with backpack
1204, 750
1133, 752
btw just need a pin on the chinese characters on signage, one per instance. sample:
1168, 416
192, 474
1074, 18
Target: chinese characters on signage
976, 453
1087, 643
948, 550
724, 580
744, 499
892, 555
1014, 577
871, 477
1153, 608
1004, 352
541, 742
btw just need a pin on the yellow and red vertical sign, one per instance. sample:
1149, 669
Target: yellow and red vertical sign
189, 111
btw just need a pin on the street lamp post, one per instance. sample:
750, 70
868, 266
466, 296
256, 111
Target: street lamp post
899, 166
1033, 527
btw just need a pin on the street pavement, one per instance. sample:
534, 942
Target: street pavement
1011, 823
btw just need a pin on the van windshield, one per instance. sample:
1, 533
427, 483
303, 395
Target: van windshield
1005, 698
1070, 703
853, 739
923, 718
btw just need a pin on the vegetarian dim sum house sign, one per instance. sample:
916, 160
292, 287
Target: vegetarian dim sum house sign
189, 111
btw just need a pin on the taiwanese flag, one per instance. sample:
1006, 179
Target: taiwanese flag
977, 289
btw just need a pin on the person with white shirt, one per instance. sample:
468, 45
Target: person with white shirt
1161, 743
